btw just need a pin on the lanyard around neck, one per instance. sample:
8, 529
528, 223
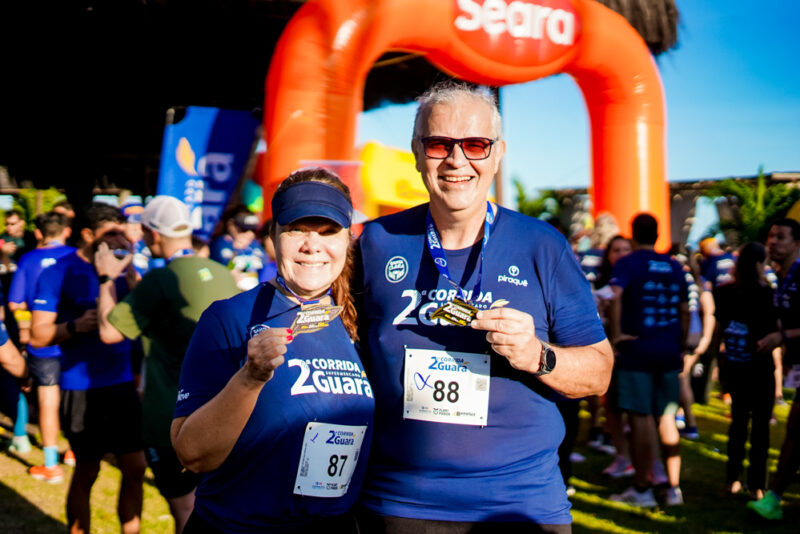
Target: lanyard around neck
181, 253
303, 301
440, 259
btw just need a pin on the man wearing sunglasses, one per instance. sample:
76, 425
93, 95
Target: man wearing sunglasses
475, 318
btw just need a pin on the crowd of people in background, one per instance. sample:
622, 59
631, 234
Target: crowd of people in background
104, 304
730, 318
92, 375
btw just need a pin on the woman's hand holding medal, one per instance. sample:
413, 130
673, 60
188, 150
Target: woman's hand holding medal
265, 353
512, 335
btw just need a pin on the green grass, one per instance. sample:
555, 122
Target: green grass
707, 508
32, 507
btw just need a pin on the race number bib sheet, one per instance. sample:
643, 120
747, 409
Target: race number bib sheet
446, 387
329, 457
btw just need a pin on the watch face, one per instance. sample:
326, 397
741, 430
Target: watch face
550, 358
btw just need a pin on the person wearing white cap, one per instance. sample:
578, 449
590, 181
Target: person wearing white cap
163, 309
280, 423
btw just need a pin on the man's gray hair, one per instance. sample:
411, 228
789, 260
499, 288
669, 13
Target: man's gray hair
449, 92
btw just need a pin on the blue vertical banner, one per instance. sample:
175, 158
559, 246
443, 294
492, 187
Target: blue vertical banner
202, 160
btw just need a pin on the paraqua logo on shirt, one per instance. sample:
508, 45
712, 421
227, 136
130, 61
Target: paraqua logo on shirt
329, 375
396, 269
513, 270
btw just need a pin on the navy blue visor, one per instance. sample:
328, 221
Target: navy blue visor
312, 199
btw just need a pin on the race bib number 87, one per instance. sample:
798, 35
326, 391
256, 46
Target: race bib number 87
328, 459
446, 387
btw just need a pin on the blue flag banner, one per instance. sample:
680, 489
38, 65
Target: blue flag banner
202, 159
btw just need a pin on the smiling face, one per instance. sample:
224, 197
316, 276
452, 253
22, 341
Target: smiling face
310, 254
455, 183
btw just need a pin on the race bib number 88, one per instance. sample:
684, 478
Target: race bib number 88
328, 459
446, 387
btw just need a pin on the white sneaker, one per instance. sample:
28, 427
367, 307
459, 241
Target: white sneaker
673, 497
633, 497
620, 467
577, 458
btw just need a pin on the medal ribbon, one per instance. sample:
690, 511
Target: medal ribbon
180, 254
783, 285
303, 302
440, 259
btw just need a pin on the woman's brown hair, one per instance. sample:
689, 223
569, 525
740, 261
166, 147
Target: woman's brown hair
340, 289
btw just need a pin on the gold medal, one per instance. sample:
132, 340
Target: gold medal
314, 318
457, 312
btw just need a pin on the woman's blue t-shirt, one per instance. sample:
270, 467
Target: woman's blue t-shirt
322, 380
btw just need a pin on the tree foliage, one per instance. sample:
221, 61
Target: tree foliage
755, 205
655, 20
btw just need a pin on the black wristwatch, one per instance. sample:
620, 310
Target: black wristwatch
103, 278
547, 360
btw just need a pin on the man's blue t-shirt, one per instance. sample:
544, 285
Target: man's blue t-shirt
3, 334
507, 469
143, 259
321, 380
654, 286
70, 288
249, 259
718, 270
590, 261
23, 285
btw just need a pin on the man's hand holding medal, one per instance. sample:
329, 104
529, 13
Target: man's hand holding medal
512, 335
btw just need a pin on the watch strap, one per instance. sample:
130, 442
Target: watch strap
544, 367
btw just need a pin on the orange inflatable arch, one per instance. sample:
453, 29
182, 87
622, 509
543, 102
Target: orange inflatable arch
315, 85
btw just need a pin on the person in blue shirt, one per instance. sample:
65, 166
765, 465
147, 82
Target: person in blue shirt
716, 267
238, 248
465, 309
745, 315
52, 232
649, 324
274, 406
100, 407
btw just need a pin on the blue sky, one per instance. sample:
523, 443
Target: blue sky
733, 103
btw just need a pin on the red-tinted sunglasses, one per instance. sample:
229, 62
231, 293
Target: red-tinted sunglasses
474, 148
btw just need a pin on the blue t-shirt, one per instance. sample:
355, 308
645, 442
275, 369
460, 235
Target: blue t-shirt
590, 261
717, 270
506, 470
322, 380
69, 288
653, 286
249, 259
3, 334
143, 259
23, 285
745, 315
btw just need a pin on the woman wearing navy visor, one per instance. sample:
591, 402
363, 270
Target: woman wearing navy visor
273, 404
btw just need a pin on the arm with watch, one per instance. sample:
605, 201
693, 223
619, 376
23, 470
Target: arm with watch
45, 331
108, 268
574, 372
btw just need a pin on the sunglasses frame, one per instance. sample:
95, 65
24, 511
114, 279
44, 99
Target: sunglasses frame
460, 143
